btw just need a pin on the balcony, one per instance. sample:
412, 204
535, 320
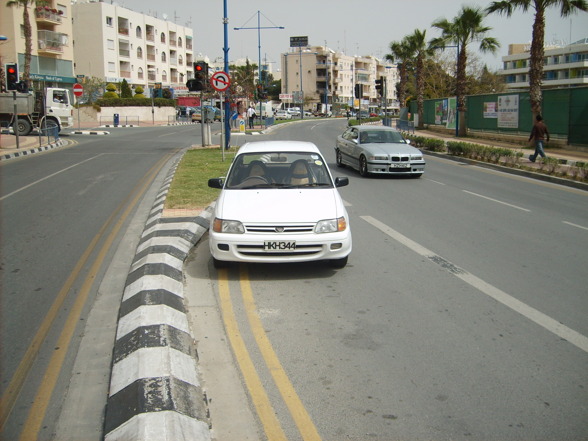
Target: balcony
50, 42
47, 15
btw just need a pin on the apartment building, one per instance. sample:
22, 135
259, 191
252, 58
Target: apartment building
52, 52
115, 43
320, 72
563, 66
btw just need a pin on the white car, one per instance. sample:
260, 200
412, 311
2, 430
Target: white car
294, 111
282, 114
279, 203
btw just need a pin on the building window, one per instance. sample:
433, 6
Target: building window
110, 44
111, 67
163, 57
140, 52
162, 37
179, 41
109, 21
139, 32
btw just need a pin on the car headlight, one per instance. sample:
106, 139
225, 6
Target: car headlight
378, 158
227, 226
331, 225
417, 158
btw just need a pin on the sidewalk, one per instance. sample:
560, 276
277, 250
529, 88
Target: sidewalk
565, 170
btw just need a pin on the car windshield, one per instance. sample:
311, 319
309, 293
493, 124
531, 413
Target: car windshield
279, 170
379, 136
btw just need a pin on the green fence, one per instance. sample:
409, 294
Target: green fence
565, 111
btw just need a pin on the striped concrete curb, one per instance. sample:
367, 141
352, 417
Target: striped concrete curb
155, 393
89, 132
32, 151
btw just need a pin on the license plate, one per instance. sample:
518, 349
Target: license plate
275, 245
399, 165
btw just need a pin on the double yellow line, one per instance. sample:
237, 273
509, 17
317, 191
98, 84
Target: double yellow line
39, 407
261, 401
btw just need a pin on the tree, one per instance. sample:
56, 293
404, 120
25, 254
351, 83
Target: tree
465, 28
419, 46
507, 7
244, 78
28, 32
125, 89
401, 53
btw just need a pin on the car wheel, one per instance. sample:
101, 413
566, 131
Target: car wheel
363, 167
339, 263
219, 264
339, 159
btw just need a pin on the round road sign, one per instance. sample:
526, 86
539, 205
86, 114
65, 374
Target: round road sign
220, 81
78, 90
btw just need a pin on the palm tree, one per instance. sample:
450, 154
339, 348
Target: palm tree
465, 28
26, 22
401, 52
244, 77
419, 46
507, 7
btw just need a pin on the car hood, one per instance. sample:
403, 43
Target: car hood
392, 148
279, 205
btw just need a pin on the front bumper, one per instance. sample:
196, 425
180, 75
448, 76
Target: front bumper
309, 247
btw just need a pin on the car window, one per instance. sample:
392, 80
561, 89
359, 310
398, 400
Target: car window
380, 136
278, 170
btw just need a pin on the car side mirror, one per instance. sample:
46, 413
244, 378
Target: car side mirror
215, 183
408, 141
341, 182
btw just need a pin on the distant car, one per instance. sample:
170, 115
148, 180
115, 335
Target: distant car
378, 150
212, 114
279, 203
294, 111
282, 114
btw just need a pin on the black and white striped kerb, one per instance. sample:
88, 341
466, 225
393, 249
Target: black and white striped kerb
32, 151
155, 393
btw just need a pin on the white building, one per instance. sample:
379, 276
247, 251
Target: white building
115, 43
318, 70
564, 66
52, 51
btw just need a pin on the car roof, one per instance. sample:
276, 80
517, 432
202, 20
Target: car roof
278, 146
361, 128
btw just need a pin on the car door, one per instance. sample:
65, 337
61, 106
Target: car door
345, 144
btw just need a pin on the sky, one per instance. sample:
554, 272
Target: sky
365, 27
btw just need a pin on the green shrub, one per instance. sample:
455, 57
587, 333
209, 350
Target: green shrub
135, 102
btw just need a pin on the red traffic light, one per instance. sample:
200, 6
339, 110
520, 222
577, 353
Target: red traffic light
11, 70
198, 67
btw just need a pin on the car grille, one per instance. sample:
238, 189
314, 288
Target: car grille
280, 228
258, 251
399, 158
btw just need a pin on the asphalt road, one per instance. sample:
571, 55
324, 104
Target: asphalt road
461, 315
70, 222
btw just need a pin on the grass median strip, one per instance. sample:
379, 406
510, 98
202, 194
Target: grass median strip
189, 189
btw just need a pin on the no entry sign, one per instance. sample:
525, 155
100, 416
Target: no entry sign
78, 90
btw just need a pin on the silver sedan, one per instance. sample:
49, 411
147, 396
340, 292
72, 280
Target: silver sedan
378, 150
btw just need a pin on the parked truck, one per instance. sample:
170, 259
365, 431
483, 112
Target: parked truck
49, 109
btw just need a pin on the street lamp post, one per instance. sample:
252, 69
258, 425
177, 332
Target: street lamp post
259, 28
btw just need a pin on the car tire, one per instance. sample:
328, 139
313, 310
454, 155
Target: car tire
339, 263
339, 159
219, 264
363, 167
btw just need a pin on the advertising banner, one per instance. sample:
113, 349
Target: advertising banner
508, 111
451, 113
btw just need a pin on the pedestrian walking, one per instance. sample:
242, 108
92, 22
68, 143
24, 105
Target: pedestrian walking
251, 116
539, 134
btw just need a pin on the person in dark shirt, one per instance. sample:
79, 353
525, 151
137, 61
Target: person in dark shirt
539, 134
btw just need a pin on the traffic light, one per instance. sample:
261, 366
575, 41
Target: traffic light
200, 80
358, 90
260, 93
380, 85
11, 70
